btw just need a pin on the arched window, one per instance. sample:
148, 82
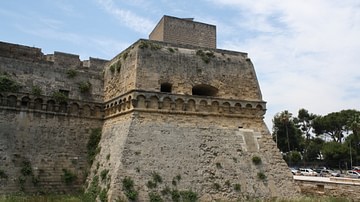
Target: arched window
165, 87
204, 90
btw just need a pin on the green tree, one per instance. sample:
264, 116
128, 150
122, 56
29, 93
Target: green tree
304, 122
287, 135
335, 154
312, 152
335, 125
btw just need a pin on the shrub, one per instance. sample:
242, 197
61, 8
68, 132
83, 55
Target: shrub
36, 90
237, 187
103, 195
216, 186
155, 197
8, 85
68, 176
156, 177
128, 185
92, 144
84, 87
150, 184
256, 160
261, 176
71, 73
26, 168
103, 174
59, 96
112, 68
218, 165
189, 196
3, 175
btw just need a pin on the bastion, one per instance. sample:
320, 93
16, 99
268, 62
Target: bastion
179, 119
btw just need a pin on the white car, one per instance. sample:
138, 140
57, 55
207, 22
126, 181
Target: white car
307, 172
353, 174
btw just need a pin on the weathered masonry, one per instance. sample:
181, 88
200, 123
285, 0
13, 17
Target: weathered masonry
179, 118
184, 117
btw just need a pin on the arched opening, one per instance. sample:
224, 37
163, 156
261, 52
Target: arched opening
204, 90
165, 87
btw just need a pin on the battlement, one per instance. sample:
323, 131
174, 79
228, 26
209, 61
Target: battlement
26, 53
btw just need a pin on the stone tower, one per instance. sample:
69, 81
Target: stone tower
184, 119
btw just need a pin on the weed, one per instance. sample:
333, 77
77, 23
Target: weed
156, 177
150, 184
227, 183
128, 185
103, 174
155, 197
261, 176
8, 85
103, 195
3, 175
216, 186
166, 191
125, 55
26, 168
237, 187
256, 160
59, 96
84, 87
189, 196
171, 50
71, 73
92, 144
36, 90
218, 165
107, 157
68, 177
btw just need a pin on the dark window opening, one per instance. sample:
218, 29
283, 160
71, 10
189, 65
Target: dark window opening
204, 90
165, 87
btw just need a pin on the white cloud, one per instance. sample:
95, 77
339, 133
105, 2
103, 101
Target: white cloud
130, 19
306, 56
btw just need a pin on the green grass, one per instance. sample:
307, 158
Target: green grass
190, 196
44, 198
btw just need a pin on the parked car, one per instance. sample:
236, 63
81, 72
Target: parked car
295, 171
329, 173
353, 174
307, 172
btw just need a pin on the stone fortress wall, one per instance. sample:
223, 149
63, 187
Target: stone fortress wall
40, 133
174, 105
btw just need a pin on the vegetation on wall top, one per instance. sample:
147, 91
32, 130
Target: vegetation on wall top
7, 84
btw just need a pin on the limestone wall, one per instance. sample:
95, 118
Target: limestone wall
43, 136
150, 64
52, 73
37, 145
209, 154
184, 31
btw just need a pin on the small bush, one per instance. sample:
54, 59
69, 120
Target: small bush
150, 184
84, 87
171, 50
155, 197
125, 55
36, 90
218, 165
71, 73
112, 68
8, 85
128, 185
107, 157
216, 186
103, 195
156, 177
68, 177
59, 97
26, 168
261, 176
103, 174
3, 175
237, 187
256, 160
92, 144
189, 196
166, 191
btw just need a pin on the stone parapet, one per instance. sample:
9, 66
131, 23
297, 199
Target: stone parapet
175, 103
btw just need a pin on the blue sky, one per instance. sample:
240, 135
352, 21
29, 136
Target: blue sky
306, 53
